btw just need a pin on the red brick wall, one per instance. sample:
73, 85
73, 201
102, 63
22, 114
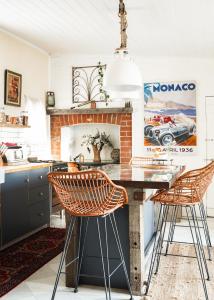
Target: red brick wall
122, 119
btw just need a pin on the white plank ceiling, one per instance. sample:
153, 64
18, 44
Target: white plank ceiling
156, 27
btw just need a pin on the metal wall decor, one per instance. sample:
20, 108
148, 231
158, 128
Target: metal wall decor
87, 84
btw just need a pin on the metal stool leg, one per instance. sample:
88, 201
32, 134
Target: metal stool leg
206, 229
81, 256
107, 258
200, 243
197, 248
161, 237
172, 227
204, 226
67, 240
78, 257
117, 238
205, 220
102, 258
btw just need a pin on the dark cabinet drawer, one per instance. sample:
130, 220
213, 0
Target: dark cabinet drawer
38, 177
14, 183
38, 194
39, 214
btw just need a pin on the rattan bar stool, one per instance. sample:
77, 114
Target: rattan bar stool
206, 174
90, 194
187, 193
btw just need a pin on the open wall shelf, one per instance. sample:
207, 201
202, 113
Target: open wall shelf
13, 125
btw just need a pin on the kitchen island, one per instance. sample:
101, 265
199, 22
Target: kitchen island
135, 222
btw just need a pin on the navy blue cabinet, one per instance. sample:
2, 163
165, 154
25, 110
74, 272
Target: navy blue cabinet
14, 197
25, 204
38, 177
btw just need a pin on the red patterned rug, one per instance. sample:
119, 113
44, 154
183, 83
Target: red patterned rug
24, 258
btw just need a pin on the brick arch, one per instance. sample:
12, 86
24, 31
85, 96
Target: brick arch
124, 120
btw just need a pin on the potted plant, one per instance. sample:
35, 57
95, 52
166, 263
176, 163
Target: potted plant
96, 142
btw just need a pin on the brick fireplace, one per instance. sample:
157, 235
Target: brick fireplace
118, 116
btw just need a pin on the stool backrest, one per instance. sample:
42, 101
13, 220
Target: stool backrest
88, 192
141, 160
149, 160
198, 179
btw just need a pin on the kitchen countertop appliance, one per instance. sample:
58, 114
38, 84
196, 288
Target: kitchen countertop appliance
15, 155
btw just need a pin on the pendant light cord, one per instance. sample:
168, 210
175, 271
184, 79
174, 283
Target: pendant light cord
122, 76
123, 25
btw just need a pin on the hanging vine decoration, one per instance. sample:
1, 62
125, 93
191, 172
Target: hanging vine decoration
87, 84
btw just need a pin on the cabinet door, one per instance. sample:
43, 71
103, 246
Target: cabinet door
38, 194
39, 214
14, 196
38, 201
38, 177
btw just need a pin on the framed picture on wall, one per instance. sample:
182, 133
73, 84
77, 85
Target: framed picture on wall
13, 88
170, 118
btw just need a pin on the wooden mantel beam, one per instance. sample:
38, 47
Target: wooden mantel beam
112, 110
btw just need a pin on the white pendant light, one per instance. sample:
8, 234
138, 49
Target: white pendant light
122, 75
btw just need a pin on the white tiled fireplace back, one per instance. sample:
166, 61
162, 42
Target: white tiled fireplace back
72, 138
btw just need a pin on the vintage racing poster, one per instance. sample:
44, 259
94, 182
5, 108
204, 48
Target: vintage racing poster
170, 117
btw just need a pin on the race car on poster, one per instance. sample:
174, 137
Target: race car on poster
157, 121
167, 133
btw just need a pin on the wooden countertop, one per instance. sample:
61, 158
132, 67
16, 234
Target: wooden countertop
24, 167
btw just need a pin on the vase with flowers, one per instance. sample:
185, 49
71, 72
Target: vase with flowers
96, 142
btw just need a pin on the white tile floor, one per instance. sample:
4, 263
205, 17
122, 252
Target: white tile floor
39, 285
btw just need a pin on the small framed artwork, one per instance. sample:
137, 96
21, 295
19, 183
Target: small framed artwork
13, 88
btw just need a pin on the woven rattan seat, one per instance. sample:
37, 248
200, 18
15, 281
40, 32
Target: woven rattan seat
188, 189
88, 193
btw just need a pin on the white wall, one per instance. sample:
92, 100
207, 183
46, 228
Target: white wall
21, 57
153, 69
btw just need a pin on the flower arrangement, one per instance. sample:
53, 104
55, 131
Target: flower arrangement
96, 142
